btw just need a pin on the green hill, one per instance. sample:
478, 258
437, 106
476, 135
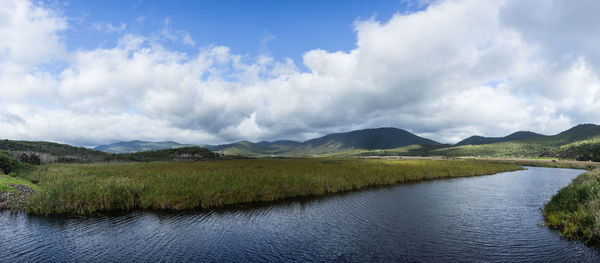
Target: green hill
368, 139
175, 154
37, 152
139, 146
245, 148
580, 142
49, 151
540, 146
517, 136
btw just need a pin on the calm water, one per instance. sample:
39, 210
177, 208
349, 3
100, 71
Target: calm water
478, 219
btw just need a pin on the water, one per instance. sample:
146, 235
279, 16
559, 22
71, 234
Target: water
477, 219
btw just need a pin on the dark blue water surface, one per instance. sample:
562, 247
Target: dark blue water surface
477, 219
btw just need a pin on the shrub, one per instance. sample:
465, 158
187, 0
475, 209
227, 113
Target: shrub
8, 164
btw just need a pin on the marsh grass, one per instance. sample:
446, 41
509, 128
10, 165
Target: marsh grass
92, 188
575, 210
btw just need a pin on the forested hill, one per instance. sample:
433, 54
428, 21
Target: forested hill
36, 152
139, 146
517, 136
581, 142
378, 138
51, 152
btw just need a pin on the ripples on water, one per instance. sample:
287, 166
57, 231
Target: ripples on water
478, 219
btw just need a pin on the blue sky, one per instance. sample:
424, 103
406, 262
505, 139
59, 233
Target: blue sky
210, 72
279, 28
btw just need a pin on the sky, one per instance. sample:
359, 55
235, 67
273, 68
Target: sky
208, 72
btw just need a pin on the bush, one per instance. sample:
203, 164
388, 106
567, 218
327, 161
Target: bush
9, 165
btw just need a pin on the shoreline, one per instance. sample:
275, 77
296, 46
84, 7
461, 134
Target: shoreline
575, 209
16, 197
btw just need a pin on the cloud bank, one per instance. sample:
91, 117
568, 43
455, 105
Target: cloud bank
457, 68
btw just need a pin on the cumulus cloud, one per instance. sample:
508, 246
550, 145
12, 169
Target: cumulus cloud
457, 68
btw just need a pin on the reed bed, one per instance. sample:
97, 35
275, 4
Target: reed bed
575, 210
91, 188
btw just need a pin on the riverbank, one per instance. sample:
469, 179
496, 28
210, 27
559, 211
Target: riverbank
91, 188
14, 192
536, 162
545, 162
575, 210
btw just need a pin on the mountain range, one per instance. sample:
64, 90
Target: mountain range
368, 139
139, 146
516, 136
580, 142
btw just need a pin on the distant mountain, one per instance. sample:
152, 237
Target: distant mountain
579, 132
194, 153
263, 148
520, 135
139, 146
579, 142
368, 139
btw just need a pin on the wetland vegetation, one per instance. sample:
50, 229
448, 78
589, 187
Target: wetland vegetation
92, 188
575, 210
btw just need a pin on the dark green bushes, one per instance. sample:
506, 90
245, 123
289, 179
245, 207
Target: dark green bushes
8, 164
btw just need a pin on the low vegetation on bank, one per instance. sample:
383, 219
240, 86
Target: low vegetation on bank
91, 188
575, 210
14, 191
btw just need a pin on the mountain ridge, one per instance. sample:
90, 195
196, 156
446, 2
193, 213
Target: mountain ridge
578, 142
139, 146
515, 136
374, 138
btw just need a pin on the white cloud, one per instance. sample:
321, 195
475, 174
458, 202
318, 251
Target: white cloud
109, 27
23, 28
176, 35
457, 68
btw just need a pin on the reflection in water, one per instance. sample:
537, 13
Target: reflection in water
487, 218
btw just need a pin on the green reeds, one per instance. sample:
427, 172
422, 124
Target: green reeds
575, 210
91, 188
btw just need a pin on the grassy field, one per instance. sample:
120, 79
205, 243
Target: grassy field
575, 210
91, 188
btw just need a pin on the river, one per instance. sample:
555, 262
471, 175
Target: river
492, 218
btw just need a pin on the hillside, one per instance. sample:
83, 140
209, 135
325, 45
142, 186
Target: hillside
139, 146
245, 148
580, 142
175, 154
49, 151
368, 139
37, 152
517, 136
541, 146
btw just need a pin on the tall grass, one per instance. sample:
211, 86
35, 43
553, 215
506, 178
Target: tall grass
91, 188
575, 210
